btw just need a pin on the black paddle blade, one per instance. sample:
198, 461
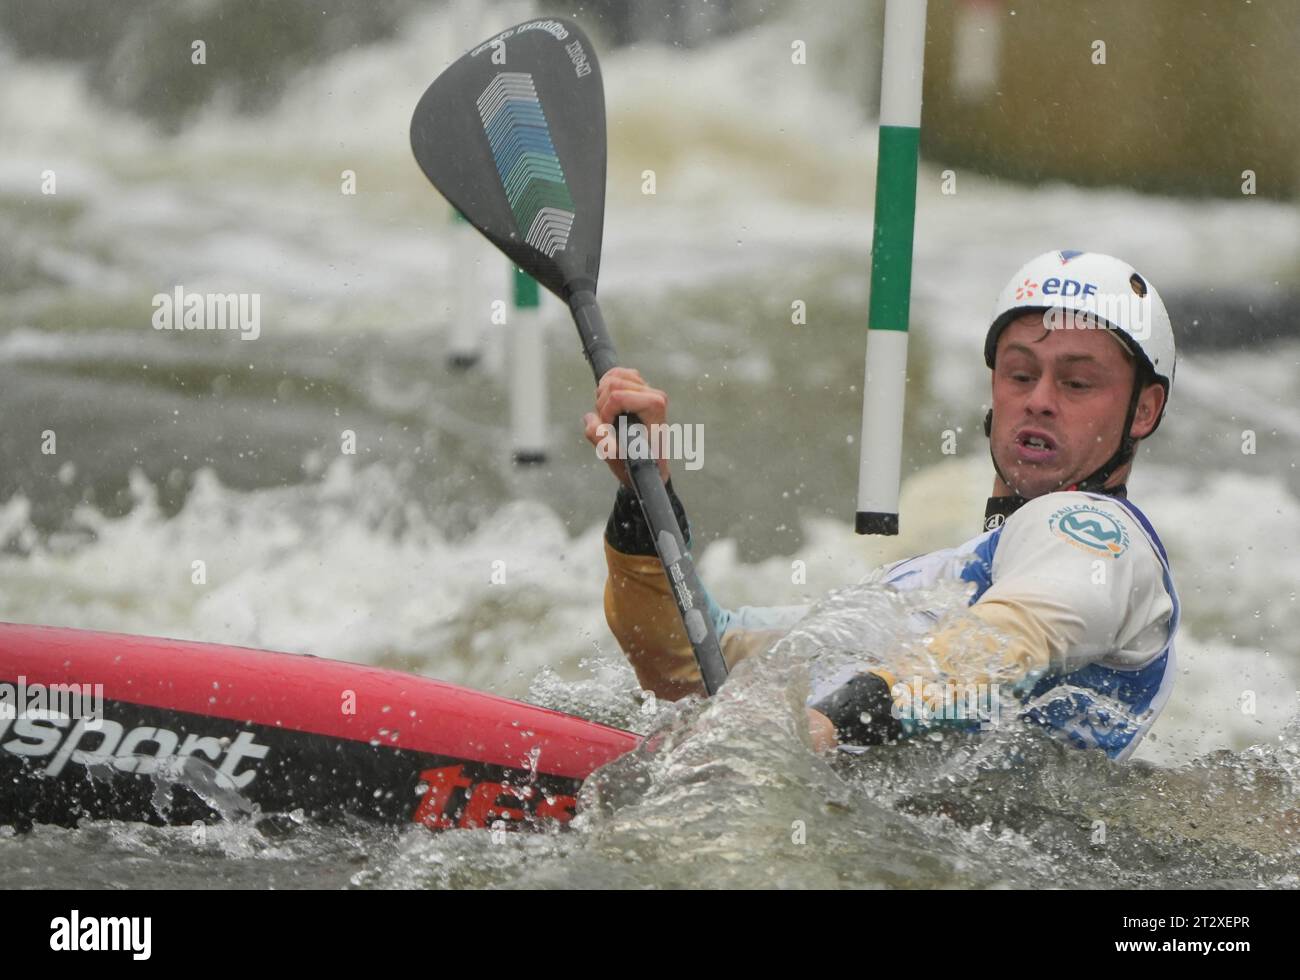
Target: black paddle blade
513, 135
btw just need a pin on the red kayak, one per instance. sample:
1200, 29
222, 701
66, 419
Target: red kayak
108, 726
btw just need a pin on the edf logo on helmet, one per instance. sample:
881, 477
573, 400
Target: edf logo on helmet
1105, 310
1054, 286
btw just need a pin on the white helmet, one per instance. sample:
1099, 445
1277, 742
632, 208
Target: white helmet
1082, 290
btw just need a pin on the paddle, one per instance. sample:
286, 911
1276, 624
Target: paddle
513, 135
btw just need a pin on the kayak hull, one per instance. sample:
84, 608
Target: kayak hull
108, 726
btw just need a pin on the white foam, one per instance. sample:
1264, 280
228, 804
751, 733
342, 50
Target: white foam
345, 568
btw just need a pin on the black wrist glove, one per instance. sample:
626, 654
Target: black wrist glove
627, 530
862, 711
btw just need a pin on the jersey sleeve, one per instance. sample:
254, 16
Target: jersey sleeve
1076, 576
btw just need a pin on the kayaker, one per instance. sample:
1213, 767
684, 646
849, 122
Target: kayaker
1067, 572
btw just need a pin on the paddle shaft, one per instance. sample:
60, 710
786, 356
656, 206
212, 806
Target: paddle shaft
687, 590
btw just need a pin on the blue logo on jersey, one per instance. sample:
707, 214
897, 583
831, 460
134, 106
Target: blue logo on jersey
1091, 529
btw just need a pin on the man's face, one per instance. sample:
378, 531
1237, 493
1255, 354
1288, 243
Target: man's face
1059, 403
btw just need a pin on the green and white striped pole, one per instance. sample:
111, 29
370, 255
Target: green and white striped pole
880, 463
528, 413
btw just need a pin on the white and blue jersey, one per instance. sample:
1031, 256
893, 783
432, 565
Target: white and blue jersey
1080, 578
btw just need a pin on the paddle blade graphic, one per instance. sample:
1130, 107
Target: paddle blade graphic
513, 135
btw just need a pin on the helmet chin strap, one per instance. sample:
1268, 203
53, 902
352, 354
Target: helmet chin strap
1094, 482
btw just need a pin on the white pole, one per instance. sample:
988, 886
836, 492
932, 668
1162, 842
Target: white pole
976, 48
469, 303
528, 409
470, 306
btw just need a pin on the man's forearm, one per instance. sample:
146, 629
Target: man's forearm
643, 617
955, 678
